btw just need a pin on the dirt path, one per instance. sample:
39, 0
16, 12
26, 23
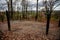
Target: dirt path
30, 30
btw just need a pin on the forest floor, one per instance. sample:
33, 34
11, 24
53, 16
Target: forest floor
29, 30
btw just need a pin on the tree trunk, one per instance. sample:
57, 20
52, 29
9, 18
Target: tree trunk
59, 23
26, 12
23, 13
31, 10
48, 21
8, 20
47, 25
2, 17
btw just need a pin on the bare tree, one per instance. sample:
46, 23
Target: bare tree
49, 4
10, 7
23, 5
36, 17
24, 8
58, 14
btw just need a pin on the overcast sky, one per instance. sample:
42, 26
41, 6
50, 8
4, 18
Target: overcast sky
32, 2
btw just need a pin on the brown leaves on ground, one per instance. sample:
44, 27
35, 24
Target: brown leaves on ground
23, 36
29, 30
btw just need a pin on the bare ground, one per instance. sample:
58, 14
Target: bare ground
29, 30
